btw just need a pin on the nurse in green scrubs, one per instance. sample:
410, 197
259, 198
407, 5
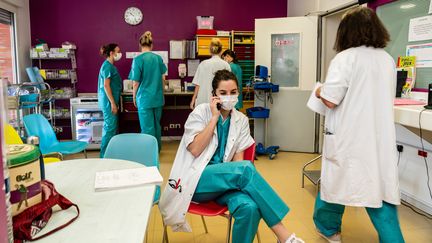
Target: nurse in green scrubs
109, 89
148, 77
230, 57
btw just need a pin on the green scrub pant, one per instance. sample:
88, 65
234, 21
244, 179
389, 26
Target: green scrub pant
328, 220
110, 126
247, 195
150, 123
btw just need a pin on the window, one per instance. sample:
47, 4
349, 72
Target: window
7, 47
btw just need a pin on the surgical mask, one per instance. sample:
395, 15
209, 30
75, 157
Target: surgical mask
228, 101
117, 56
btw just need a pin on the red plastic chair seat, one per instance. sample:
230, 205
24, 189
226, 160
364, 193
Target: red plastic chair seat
210, 208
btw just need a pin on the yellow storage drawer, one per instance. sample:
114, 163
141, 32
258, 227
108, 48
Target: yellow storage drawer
203, 43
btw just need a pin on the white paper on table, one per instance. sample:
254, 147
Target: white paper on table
420, 29
192, 66
423, 54
115, 179
315, 104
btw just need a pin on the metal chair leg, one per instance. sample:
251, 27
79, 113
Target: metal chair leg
204, 223
229, 229
85, 153
258, 236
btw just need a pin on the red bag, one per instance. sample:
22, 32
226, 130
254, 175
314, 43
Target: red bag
32, 220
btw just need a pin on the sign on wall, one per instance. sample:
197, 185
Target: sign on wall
285, 58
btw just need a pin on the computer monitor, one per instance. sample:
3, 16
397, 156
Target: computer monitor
261, 72
400, 81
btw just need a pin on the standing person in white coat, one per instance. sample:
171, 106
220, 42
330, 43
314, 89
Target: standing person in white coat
209, 166
359, 165
205, 73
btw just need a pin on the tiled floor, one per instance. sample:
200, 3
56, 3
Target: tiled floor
284, 174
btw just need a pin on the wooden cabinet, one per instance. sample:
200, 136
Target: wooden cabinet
203, 44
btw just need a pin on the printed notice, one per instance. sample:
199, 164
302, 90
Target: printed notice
420, 29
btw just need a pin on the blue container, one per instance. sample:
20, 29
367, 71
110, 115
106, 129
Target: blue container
191, 88
258, 112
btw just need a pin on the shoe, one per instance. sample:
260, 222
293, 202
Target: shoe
294, 239
336, 238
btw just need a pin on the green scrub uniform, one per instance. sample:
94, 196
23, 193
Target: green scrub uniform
110, 126
328, 220
147, 69
239, 186
236, 69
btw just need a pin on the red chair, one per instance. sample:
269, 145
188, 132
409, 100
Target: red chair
213, 209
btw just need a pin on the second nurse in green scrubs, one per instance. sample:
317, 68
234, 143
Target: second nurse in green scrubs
109, 89
147, 73
230, 57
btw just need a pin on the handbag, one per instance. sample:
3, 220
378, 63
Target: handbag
31, 221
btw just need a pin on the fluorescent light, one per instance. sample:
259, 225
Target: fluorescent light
407, 6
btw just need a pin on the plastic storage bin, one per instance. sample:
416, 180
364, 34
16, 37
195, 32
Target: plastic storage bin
258, 112
205, 22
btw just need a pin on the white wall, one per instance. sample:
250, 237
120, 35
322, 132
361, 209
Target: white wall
22, 27
303, 7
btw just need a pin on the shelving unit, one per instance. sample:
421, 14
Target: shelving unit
61, 74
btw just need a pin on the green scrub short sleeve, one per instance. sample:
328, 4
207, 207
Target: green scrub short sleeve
162, 66
135, 72
106, 72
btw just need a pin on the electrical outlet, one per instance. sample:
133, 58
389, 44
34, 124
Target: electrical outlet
399, 148
422, 153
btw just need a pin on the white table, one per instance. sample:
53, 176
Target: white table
408, 115
110, 216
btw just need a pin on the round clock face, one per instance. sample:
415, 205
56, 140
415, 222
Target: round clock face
133, 16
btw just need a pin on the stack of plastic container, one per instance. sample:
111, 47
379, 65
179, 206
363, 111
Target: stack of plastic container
6, 228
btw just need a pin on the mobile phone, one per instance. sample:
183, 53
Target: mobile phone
218, 105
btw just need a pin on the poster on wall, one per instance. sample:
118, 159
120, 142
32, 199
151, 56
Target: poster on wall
423, 54
420, 29
285, 58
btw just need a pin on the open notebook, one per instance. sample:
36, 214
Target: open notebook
116, 179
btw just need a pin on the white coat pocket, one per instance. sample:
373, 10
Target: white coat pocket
330, 149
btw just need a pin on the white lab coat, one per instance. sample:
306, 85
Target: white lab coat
187, 169
204, 76
359, 166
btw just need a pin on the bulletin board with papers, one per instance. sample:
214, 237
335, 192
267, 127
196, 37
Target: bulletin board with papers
410, 26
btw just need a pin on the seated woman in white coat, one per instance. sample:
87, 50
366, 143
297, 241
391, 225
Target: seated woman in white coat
209, 165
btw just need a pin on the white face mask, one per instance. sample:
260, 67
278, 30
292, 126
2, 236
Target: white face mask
228, 101
117, 56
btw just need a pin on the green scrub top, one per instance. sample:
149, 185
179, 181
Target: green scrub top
147, 69
236, 69
108, 70
222, 131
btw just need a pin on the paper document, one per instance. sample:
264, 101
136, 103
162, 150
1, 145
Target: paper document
315, 104
420, 29
176, 49
192, 66
115, 179
423, 54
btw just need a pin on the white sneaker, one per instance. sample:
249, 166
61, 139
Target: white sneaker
336, 238
294, 239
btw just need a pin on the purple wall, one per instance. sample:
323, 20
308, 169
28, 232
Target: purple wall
91, 23
373, 5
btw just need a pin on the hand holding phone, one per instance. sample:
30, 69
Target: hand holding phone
215, 105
